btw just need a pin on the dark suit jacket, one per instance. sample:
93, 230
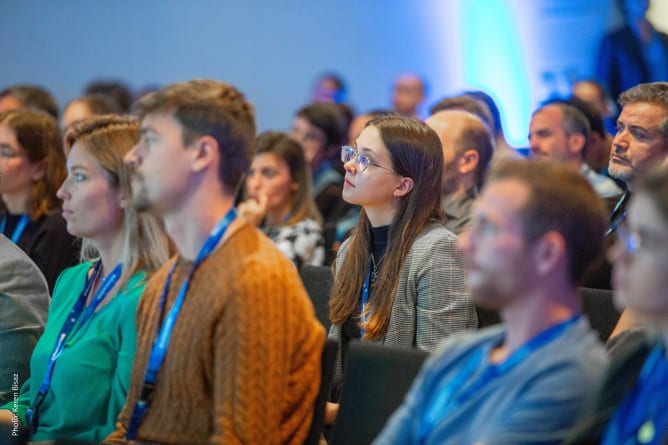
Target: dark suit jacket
620, 61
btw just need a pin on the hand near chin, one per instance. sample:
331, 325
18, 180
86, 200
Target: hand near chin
253, 210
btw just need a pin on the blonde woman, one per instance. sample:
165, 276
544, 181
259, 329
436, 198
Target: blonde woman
80, 367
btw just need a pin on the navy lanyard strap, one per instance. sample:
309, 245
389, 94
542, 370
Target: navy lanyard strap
365, 299
447, 399
615, 223
639, 418
77, 317
18, 230
161, 342
616, 218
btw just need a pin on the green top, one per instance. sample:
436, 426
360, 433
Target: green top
91, 376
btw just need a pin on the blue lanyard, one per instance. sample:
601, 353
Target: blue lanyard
76, 318
365, 299
615, 219
456, 392
642, 416
161, 342
18, 230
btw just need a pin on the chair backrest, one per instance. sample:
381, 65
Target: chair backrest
487, 317
326, 373
598, 306
376, 380
318, 283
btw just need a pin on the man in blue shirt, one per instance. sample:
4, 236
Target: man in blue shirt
535, 229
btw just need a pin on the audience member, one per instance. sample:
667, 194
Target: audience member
80, 368
346, 223
632, 403
636, 53
85, 107
329, 88
467, 151
28, 97
640, 141
228, 345
320, 129
468, 104
399, 278
24, 303
560, 132
278, 188
117, 91
32, 167
598, 97
597, 151
408, 94
501, 147
535, 228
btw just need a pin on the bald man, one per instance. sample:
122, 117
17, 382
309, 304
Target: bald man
467, 150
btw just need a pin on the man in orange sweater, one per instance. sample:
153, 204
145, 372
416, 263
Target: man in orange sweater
228, 346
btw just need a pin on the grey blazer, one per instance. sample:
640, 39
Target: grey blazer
24, 305
433, 299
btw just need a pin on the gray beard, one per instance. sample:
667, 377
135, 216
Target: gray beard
623, 174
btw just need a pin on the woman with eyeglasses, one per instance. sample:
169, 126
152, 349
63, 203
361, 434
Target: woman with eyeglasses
399, 278
80, 367
32, 167
632, 407
278, 188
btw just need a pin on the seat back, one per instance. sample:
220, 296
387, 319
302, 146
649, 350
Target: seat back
318, 283
598, 306
326, 373
376, 380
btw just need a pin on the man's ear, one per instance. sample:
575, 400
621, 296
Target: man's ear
576, 142
549, 251
468, 161
404, 187
204, 152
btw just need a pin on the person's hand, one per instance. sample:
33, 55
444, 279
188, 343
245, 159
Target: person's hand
253, 210
331, 411
6, 416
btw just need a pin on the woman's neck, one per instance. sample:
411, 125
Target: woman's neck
383, 216
17, 203
277, 216
111, 250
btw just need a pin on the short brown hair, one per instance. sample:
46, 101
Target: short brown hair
560, 200
466, 103
213, 108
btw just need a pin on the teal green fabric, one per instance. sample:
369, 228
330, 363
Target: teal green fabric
91, 376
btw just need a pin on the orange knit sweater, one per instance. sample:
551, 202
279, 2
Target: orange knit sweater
243, 363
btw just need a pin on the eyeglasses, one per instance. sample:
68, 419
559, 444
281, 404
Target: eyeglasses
641, 242
630, 240
348, 153
8, 153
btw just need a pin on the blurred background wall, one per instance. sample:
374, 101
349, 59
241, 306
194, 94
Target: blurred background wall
521, 51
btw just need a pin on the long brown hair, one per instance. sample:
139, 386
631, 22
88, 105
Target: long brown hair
38, 135
415, 152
